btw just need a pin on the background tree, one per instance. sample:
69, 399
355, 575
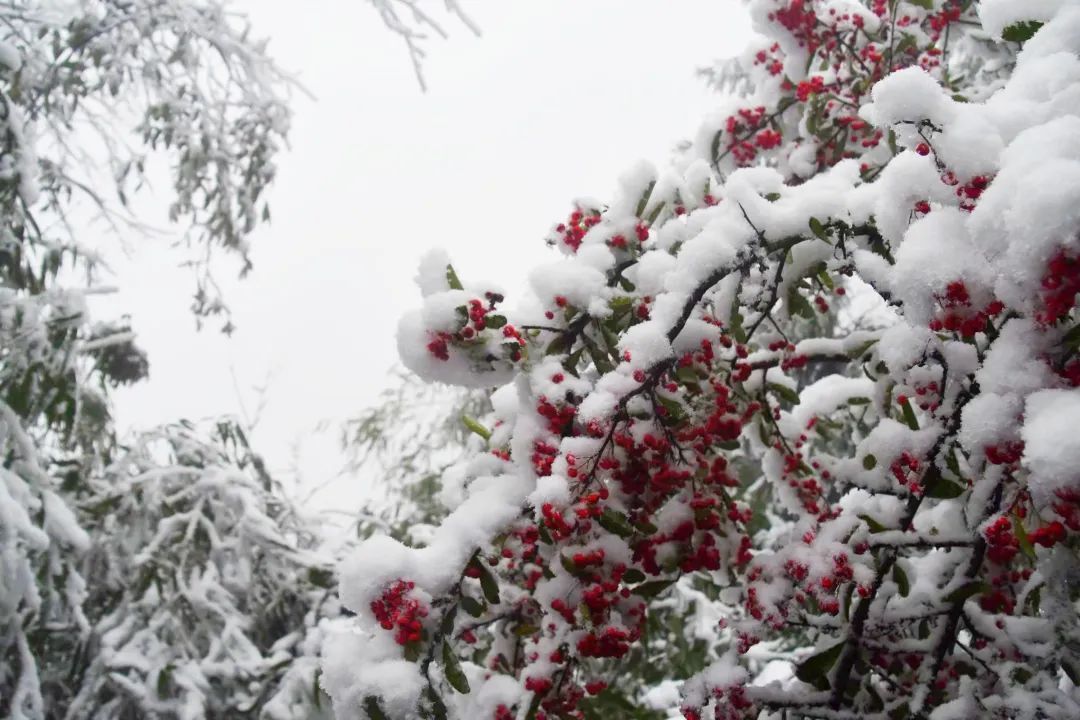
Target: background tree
163, 576
408, 439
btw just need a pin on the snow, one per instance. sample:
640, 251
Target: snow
996, 15
647, 345
936, 251
572, 278
1051, 440
908, 96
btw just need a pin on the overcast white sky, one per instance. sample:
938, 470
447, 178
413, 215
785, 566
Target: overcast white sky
553, 102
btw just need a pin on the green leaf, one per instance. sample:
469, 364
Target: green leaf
736, 325
321, 577
962, 593
924, 4
494, 321
1034, 599
869, 462
907, 43
447, 625
1021, 31
545, 536
1022, 538
1072, 338
371, 707
900, 712
644, 201
652, 588
472, 606
633, 575
797, 304
488, 584
849, 593
686, 375
164, 681
813, 120
874, 525
655, 213
772, 197
1071, 671
534, 706
825, 279
599, 357
452, 668
476, 427
525, 630
674, 410
952, 463
901, 579
908, 414
558, 346
944, 489
785, 393
818, 229
438, 707
452, 279
646, 527
816, 667
615, 522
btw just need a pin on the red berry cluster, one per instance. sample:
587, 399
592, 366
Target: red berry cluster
1048, 535
771, 59
611, 642
813, 86
396, 609
439, 346
1060, 284
1067, 506
475, 317
572, 232
906, 468
732, 703
959, 314
741, 128
970, 192
1005, 453
1002, 544
927, 396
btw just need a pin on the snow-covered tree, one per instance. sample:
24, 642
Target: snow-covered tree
707, 484
162, 576
206, 587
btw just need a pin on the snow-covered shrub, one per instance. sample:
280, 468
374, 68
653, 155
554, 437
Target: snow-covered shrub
809, 399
